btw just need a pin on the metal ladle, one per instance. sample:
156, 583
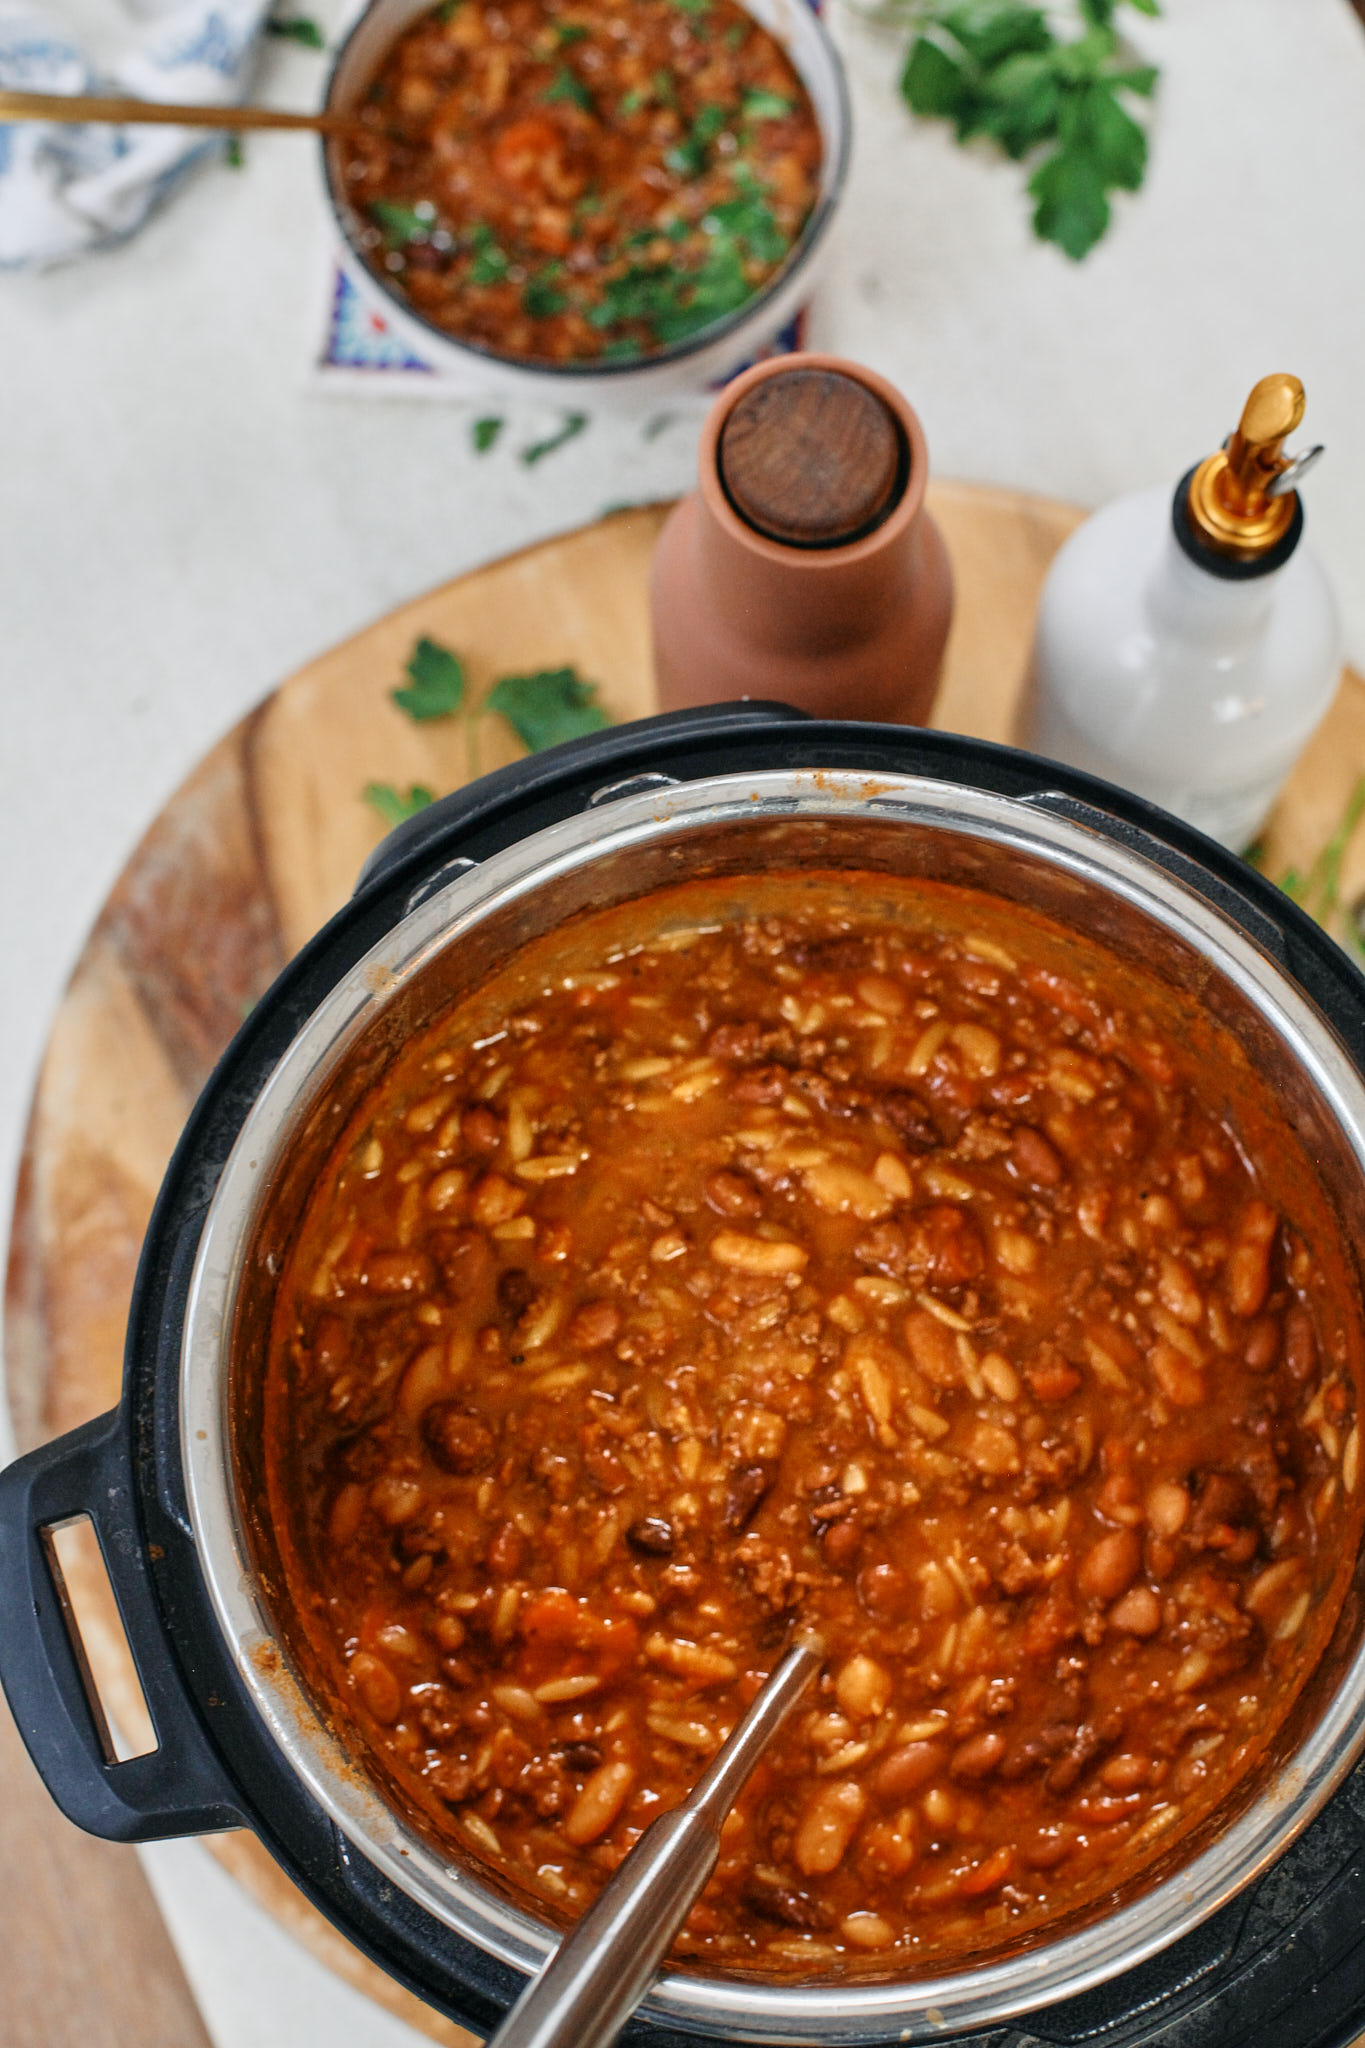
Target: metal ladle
605, 1964
61, 106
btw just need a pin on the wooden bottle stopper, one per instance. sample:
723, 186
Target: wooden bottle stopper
812, 458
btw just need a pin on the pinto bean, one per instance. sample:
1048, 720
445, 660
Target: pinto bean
377, 1686
1034, 1160
1137, 1612
1111, 1566
1248, 1263
827, 1826
904, 1770
978, 1756
862, 1687
599, 1803
1300, 1343
481, 1130
1168, 1508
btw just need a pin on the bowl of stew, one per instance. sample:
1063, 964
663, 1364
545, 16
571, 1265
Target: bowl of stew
559, 196
833, 1173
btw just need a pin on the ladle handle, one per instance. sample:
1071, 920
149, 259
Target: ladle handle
603, 1968
69, 107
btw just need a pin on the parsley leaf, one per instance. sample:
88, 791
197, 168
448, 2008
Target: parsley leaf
547, 708
233, 155
436, 683
296, 28
393, 805
765, 106
542, 299
1072, 210
401, 224
490, 262
1000, 69
567, 85
570, 32
573, 425
485, 432
688, 157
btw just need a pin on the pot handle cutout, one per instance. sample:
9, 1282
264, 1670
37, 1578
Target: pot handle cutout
177, 1787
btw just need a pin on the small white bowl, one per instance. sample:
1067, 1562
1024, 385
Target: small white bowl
691, 367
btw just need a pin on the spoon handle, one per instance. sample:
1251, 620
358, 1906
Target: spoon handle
602, 1969
61, 106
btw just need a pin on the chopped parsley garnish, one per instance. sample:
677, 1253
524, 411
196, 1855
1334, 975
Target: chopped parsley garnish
567, 85
542, 299
637, 97
766, 106
436, 683
736, 34
574, 423
485, 432
570, 32
395, 806
688, 157
693, 7
673, 302
448, 9
233, 155
490, 262
547, 708
296, 28
665, 88
401, 224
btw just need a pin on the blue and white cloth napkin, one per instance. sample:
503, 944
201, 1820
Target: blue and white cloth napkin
64, 190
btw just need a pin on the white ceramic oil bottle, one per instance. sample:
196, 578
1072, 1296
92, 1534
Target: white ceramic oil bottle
1187, 650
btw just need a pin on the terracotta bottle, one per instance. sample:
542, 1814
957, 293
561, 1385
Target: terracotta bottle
805, 566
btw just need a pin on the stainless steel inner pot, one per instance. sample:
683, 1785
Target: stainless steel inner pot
1052, 859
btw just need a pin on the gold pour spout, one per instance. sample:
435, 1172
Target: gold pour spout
1242, 499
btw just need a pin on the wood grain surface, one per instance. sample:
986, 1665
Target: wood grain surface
86, 1959
263, 842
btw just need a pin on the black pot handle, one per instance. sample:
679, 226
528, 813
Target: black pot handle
179, 1788
610, 754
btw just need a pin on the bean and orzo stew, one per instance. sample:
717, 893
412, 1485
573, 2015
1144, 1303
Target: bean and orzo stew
562, 182
882, 1256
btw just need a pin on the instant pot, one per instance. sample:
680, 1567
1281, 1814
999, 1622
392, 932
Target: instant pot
1252, 1930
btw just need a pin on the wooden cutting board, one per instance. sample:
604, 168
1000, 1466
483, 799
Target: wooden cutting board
263, 842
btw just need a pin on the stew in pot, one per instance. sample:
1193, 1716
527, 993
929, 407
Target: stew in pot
894, 1260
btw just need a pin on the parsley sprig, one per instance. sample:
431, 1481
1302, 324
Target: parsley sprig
999, 69
543, 709
1317, 888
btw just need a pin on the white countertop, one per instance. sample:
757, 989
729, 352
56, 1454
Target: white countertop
184, 519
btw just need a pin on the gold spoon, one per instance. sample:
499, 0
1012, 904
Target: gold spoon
60, 106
